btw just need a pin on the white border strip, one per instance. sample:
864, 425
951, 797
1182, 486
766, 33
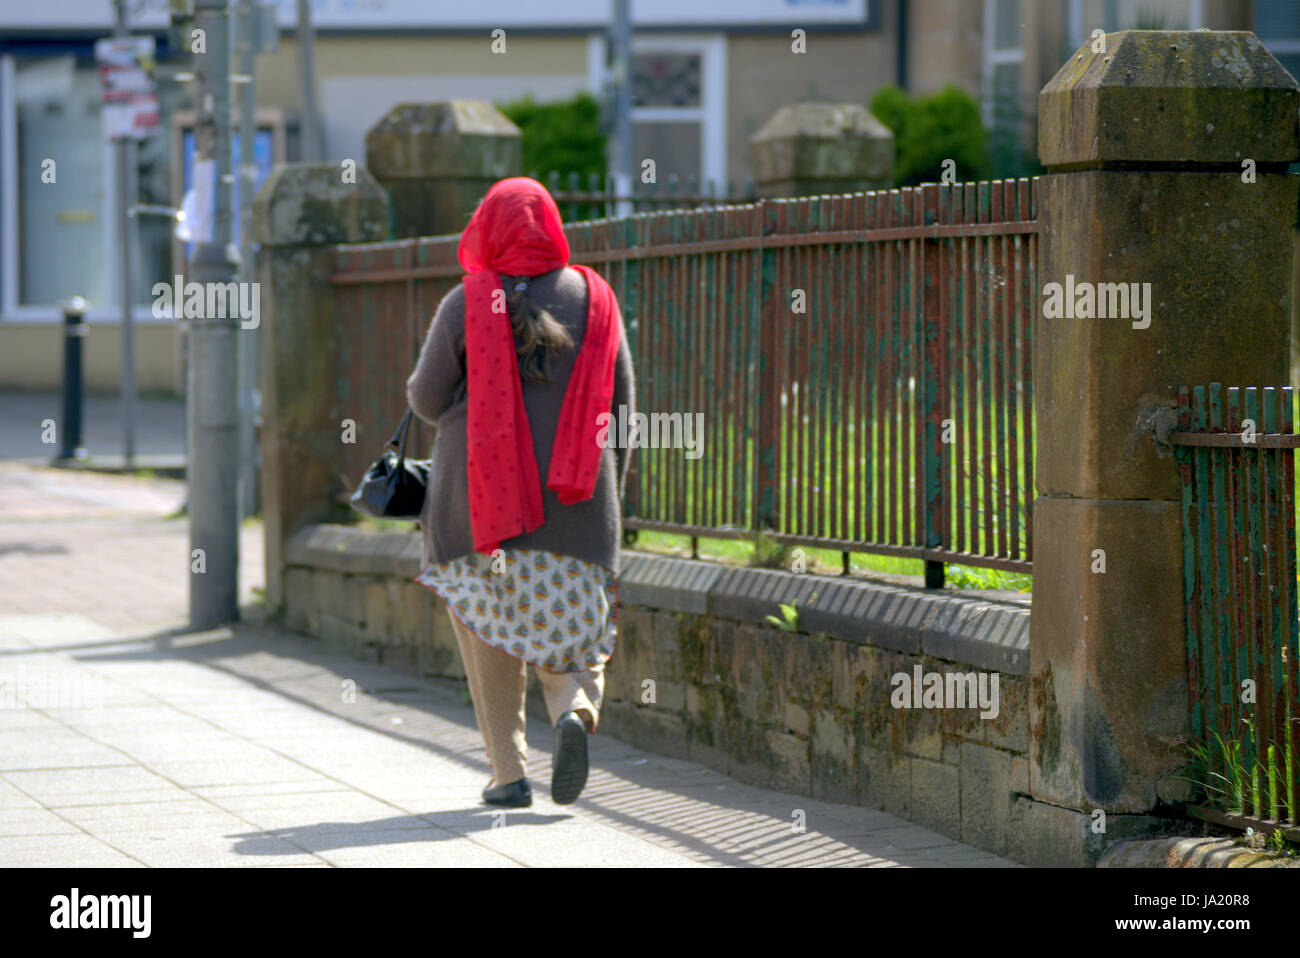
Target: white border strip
9, 185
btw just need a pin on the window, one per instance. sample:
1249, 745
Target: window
666, 79
59, 239
1004, 58
666, 114
60, 225
1277, 23
678, 107
1084, 16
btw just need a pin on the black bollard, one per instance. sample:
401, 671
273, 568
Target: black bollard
74, 332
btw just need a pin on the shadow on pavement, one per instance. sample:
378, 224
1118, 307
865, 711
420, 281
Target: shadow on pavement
697, 811
34, 548
330, 836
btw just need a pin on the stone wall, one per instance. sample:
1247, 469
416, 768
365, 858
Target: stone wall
806, 712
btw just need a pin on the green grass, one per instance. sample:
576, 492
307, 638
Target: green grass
745, 552
789, 621
1227, 772
385, 525
847, 480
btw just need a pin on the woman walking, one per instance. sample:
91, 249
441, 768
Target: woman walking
520, 361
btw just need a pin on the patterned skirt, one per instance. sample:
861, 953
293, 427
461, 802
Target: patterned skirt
553, 611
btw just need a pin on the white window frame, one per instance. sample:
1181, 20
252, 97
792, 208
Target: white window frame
994, 57
1074, 22
1287, 45
11, 310
1073, 27
1276, 46
711, 114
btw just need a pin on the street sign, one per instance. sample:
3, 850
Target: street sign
130, 99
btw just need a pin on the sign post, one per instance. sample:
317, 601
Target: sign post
130, 112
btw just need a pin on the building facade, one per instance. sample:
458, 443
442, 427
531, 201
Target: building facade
707, 74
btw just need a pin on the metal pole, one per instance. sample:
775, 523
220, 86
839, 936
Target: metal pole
214, 452
901, 51
247, 347
308, 135
622, 165
125, 156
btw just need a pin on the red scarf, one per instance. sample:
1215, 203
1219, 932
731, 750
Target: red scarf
517, 230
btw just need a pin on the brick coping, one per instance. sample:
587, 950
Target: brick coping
988, 633
1187, 852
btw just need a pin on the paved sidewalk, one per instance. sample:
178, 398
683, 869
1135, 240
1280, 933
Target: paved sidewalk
134, 743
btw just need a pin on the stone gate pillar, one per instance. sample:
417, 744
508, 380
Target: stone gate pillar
436, 160
815, 149
1166, 155
299, 213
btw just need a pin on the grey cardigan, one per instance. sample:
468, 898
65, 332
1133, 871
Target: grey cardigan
588, 530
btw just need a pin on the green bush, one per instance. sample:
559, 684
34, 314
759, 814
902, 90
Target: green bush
929, 130
563, 135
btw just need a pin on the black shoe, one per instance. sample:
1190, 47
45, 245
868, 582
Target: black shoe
511, 795
569, 763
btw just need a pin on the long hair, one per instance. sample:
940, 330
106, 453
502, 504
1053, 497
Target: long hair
538, 334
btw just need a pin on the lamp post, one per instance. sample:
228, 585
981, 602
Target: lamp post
213, 471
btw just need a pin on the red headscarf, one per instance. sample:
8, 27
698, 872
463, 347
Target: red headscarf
517, 230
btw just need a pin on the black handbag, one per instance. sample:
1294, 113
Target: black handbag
394, 487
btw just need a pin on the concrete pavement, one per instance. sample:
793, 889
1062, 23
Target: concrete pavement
126, 741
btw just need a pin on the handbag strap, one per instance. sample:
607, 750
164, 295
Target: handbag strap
399, 437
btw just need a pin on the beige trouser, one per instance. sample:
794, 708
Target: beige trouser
496, 685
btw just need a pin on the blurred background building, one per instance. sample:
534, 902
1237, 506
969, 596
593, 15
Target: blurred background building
706, 75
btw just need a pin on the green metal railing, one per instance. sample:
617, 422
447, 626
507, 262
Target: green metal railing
861, 364
1236, 452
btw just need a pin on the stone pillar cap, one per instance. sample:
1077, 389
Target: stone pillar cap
825, 120
1170, 97
308, 204
446, 139
815, 140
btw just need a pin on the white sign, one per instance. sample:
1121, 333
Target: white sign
199, 204
577, 14
130, 99
485, 15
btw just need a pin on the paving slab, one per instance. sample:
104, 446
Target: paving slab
34, 821
423, 854
205, 847
61, 851
232, 747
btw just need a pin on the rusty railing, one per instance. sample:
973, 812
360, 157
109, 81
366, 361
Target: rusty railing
1237, 462
861, 363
